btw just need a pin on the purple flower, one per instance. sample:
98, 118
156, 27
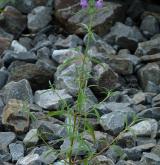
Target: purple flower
84, 3
99, 4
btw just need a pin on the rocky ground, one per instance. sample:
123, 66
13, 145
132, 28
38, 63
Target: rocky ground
37, 36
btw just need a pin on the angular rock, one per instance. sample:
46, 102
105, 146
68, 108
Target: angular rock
72, 41
151, 113
150, 26
146, 128
13, 21
3, 78
78, 148
16, 150
38, 77
20, 90
105, 77
150, 158
121, 65
101, 160
6, 35
4, 157
16, 116
148, 47
51, 99
4, 44
101, 51
114, 122
39, 18
66, 77
151, 58
103, 19
65, 54
10, 56
149, 73
139, 97
30, 159
31, 138
17, 47
124, 36
6, 138
50, 131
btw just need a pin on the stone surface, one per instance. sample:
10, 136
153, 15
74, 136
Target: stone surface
20, 90
17, 47
124, 36
30, 159
6, 138
50, 99
39, 18
10, 56
114, 122
149, 73
31, 138
102, 21
16, 150
151, 58
16, 116
101, 160
150, 158
13, 21
72, 41
65, 54
4, 44
146, 128
150, 25
148, 47
33, 75
3, 78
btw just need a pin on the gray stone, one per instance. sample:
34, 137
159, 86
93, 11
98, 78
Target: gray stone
43, 53
39, 18
18, 90
6, 138
150, 158
3, 78
135, 153
148, 47
78, 148
51, 99
115, 107
19, 70
101, 160
146, 128
151, 113
149, 73
150, 58
114, 122
103, 19
4, 34
124, 36
26, 42
67, 77
65, 54
114, 152
10, 56
4, 44
13, 21
4, 156
17, 47
100, 51
105, 77
72, 41
156, 150
51, 131
139, 98
31, 138
30, 159
122, 66
16, 150
150, 26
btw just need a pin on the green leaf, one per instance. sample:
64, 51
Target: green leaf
55, 113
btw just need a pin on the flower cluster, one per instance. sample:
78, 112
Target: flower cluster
98, 3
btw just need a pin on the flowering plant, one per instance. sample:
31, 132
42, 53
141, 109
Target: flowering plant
85, 3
